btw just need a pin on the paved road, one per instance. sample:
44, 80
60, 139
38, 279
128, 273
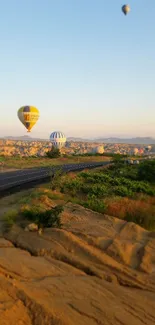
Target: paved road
12, 179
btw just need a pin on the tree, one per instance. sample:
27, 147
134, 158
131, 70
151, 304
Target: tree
118, 159
53, 153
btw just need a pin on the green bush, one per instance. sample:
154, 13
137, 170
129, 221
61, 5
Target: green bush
53, 153
95, 204
98, 190
146, 171
10, 219
45, 219
130, 172
55, 178
118, 159
142, 187
95, 177
122, 191
72, 186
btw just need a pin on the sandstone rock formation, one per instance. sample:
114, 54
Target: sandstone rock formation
95, 270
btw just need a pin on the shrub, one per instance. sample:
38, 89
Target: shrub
130, 172
142, 187
72, 186
118, 159
122, 191
95, 204
10, 218
95, 177
99, 190
146, 171
53, 153
55, 178
48, 218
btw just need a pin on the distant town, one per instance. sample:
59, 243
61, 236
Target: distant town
38, 148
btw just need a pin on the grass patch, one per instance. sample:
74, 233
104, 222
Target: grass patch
33, 194
10, 218
139, 210
18, 162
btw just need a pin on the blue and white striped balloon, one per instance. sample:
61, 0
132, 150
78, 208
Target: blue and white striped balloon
58, 139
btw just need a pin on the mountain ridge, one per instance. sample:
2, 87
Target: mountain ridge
133, 140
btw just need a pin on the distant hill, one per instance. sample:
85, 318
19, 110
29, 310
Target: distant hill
23, 138
138, 140
78, 139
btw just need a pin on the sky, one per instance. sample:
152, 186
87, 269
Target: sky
88, 68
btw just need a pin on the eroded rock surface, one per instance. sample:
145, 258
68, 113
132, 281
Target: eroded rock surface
95, 270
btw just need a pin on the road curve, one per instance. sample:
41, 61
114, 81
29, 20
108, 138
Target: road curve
9, 180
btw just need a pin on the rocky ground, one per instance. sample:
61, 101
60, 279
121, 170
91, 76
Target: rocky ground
95, 270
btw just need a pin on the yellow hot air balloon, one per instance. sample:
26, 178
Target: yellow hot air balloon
28, 115
126, 9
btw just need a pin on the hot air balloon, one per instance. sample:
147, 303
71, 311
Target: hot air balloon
126, 9
98, 149
58, 139
148, 148
28, 115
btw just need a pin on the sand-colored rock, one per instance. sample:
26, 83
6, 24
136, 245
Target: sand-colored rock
12, 310
20, 264
31, 227
5, 243
148, 260
95, 270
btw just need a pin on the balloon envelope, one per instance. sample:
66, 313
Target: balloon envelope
28, 115
126, 9
58, 139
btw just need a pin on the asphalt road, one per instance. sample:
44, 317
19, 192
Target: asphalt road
9, 180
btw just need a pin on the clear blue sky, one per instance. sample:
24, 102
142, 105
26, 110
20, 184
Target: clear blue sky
89, 69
